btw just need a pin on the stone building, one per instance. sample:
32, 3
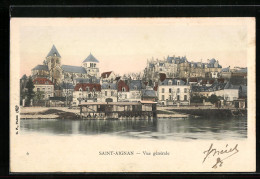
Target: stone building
108, 92
135, 89
45, 86
123, 91
173, 92
52, 70
180, 67
86, 92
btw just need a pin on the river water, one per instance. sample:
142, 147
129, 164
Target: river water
171, 129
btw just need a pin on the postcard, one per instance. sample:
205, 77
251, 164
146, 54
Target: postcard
132, 95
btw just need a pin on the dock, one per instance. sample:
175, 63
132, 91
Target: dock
118, 110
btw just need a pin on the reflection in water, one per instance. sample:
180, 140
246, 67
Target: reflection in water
160, 128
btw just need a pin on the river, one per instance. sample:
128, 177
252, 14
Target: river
171, 129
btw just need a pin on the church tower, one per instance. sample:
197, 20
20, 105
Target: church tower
53, 61
91, 65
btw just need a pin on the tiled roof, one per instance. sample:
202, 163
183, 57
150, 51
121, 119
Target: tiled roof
148, 93
242, 70
67, 86
91, 79
89, 86
106, 74
91, 58
73, 69
135, 85
174, 82
41, 67
121, 84
53, 52
42, 81
225, 69
108, 86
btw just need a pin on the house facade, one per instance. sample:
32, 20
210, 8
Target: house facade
173, 92
44, 86
108, 92
86, 92
135, 89
123, 91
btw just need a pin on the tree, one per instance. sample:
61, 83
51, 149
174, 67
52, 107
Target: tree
197, 99
29, 93
38, 96
213, 99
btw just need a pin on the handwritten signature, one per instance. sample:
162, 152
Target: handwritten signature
214, 152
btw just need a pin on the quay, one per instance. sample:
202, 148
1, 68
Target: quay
118, 110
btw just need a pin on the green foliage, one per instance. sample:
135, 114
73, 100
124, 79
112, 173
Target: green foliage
29, 93
213, 99
197, 99
38, 96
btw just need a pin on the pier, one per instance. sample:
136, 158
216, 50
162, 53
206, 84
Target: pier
118, 110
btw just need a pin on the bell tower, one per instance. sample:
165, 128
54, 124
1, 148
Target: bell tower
53, 61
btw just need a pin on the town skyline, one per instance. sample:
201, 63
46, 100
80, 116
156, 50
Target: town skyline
124, 45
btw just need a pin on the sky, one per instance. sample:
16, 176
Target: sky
123, 45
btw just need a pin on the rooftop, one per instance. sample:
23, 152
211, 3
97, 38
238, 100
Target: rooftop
91, 58
73, 69
53, 52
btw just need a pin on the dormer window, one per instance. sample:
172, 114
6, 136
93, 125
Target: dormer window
178, 82
170, 82
123, 89
94, 90
108, 86
80, 89
87, 89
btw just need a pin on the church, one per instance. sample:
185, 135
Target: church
58, 74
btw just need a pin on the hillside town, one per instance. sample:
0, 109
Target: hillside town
172, 81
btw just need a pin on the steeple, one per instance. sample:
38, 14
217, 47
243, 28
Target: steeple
54, 52
91, 58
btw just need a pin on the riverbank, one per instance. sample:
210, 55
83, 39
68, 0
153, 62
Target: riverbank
162, 112
48, 113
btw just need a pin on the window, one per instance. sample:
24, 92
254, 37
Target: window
178, 90
87, 89
43, 89
112, 93
123, 89
185, 90
170, 97
94, 89
38, 89
162, 90
185, 97
49, 89
105, 93
170, 90
162, 97
178, 97
89, 95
